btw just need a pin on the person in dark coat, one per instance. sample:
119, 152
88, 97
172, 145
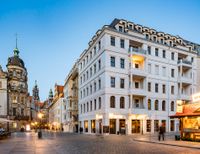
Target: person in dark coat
161, 132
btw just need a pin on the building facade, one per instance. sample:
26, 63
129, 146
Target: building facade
57, 108
130, 78
71, 97
17, 91
3, 93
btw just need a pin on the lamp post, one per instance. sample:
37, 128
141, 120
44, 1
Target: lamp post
40, 115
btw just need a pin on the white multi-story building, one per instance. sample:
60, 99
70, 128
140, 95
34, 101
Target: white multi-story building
71, 97
130, 78
3, 93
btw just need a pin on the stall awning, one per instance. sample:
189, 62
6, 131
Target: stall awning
188, 110
185, 115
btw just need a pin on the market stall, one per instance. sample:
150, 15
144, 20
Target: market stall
189, 115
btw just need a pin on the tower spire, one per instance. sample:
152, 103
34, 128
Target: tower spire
16, 51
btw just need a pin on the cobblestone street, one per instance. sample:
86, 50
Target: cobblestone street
63, 143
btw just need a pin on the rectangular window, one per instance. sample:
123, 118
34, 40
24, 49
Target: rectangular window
95, 68
156, 87
172, 125
122, 83
172, 73
14, 111
164, 54
95, 87
90, 89
90, 71
156, 125
95, 104
112, 41
172, 90
90, 55
137, 103
149, 86
164, 71
121, 43
156, 69
163, 105
99, 45
112, 82
99, 64
136, 85
99, 84
90, 105
164, 88
122, 61
87, 75
137, 65
149, 68
156, 52
149, 50
112, 61
148, 125
99, 102
95, 50
172, 56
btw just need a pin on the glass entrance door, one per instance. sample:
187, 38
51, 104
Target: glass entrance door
122, 127
135, 126
112, 126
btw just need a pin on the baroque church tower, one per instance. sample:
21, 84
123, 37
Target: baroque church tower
17, 86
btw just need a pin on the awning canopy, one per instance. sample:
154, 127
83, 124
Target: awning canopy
188, 110
185, 115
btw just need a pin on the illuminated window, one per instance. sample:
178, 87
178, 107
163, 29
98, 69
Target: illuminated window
149, 104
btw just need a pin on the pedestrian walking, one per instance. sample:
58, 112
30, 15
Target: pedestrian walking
161, 132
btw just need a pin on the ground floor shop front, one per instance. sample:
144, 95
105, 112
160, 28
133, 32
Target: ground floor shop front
131, 124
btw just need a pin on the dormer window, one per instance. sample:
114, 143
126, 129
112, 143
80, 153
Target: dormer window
170, 43
154, 38
147, 36
120, 28
161, 41
130, 26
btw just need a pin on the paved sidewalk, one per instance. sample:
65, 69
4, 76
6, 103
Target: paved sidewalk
169, 140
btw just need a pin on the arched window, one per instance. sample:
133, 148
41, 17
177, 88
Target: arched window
149, 104
112, 101
163, 105
122, 103
156, 105
172, 106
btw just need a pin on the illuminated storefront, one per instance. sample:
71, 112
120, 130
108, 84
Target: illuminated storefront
189, 115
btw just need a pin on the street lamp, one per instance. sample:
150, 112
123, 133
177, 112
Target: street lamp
40, 115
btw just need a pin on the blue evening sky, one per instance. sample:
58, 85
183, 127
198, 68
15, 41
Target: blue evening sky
53, 33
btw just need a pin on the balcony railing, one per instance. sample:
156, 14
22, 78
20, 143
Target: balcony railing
137, 50
184, 61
